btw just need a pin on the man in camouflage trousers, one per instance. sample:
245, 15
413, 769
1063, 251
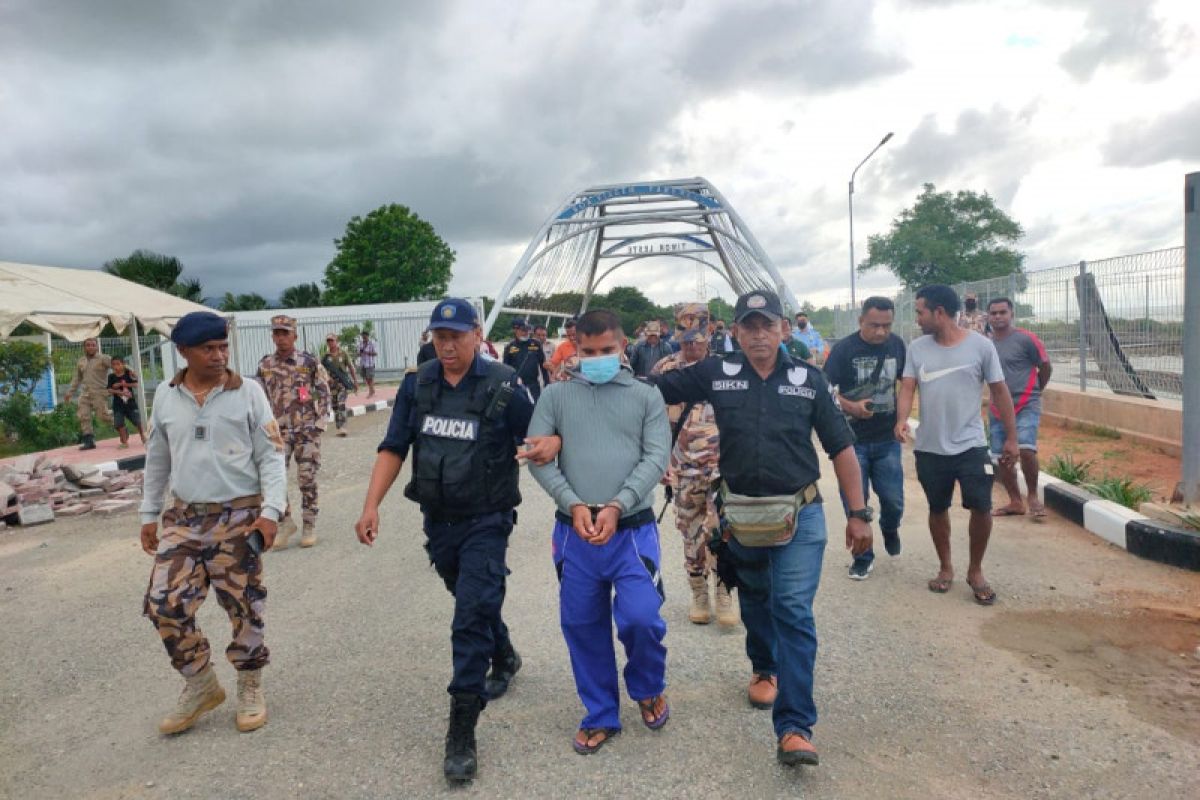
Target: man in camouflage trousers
342, 380
228, 483
298, 389
693, 472
91, 373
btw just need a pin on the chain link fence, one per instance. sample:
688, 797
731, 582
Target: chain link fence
149, 368
1112, 325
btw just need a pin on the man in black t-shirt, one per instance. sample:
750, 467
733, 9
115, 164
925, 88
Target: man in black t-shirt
865, 367
121, 385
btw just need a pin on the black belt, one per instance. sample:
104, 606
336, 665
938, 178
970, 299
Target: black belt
444, 518
634, 520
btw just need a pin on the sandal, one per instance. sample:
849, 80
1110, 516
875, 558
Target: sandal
586, 748
983, 594
940, 585
652, 718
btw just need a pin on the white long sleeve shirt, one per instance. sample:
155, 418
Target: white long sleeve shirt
229, 447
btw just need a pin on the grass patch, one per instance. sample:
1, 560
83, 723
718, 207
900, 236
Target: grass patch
1099, 431
1066, 468
1124, 491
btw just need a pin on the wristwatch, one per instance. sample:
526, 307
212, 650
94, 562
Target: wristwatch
865, 514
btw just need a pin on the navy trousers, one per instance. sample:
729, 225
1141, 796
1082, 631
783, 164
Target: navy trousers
469, 556
599, 584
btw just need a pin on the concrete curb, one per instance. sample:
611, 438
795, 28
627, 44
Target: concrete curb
1118, 525
378, 405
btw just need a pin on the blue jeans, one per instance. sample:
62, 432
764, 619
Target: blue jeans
776, 587
881, 469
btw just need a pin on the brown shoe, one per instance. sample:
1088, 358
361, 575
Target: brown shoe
700, 612
763, 690
794, 750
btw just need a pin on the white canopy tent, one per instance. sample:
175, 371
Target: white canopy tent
76, 304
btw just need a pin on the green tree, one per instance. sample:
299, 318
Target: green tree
947, 238
22, 364
189, 289
391, 255
302, 295
719, 308
243, 302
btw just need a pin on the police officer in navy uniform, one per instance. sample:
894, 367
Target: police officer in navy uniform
463, 417
526, 356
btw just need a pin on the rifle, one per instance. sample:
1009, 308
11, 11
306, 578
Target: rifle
669, 493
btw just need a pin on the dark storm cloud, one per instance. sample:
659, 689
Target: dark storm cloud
1123, 33
992, 147
813, 46
1139, 143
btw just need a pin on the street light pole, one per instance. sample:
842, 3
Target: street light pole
882, 142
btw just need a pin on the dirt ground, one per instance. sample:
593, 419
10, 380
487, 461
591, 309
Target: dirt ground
1111, 456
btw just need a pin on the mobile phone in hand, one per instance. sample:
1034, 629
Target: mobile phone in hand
256, 542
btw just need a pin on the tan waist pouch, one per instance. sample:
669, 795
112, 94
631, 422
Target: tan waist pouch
762, 521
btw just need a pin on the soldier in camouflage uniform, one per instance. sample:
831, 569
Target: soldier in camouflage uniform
228, 483
342, 380
298, 389
91, 372
694, 472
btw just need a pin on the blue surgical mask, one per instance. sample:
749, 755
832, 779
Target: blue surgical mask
600, 369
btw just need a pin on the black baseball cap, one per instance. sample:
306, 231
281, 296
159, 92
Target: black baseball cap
759, 301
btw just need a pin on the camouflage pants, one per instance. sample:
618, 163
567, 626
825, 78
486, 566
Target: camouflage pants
194, 553
93, 401
695, 516
304, 444
338, 395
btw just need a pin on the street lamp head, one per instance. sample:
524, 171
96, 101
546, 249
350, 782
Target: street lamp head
885, 139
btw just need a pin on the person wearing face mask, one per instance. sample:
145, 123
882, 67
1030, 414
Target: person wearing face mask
615, 448
811, 337
971, 318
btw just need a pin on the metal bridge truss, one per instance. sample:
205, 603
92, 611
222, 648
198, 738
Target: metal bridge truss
600, 230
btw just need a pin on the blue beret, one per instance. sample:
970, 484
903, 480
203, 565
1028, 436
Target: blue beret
199, 327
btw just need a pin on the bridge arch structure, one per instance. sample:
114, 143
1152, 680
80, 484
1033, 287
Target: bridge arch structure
600, 230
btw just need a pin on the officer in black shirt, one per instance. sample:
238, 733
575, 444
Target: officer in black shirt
463, 416
525, 355
767, 407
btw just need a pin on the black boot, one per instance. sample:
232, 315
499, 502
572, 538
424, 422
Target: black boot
460, 764
504, 667
89, 442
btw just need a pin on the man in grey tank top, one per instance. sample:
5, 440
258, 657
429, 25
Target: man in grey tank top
950, 365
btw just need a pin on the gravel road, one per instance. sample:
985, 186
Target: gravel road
1081, 682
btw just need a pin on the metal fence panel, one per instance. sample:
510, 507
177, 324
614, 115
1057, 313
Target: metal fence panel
1140, 296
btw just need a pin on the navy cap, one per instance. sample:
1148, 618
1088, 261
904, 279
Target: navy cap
199, 327
455, 314
760, 301
520, 323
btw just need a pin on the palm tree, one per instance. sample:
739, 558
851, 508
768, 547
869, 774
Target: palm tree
243, 302
147, 268
189, 289
302, 295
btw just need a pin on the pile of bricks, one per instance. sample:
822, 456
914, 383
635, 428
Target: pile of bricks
36, 488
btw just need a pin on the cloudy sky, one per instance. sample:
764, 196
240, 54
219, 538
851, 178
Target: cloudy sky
241, 136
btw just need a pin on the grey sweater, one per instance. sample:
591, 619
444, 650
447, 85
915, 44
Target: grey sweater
616, 442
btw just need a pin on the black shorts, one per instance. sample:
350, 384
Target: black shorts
122, 413
971, 468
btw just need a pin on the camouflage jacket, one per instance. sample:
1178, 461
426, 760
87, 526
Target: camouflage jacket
298, 388
92, 373
697, 449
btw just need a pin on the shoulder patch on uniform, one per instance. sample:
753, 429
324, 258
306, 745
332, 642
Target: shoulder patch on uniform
271, 428
730, 368
797, 375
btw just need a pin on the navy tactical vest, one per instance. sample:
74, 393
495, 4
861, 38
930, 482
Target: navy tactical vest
463, 463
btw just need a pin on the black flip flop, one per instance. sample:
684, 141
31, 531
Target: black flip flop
984, 595
586, 749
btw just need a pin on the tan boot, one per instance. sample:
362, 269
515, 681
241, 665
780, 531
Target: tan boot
700, 612
251, 702
727, 610
763, 691
286, 528
201, 694
309, 536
